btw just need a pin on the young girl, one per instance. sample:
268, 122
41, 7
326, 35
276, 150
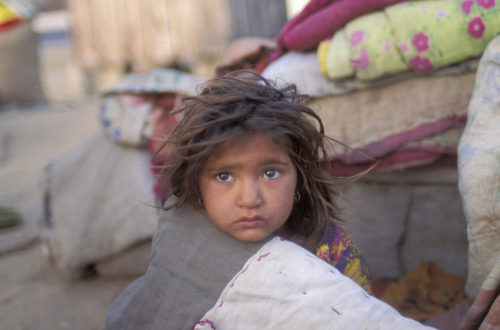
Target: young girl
254, 158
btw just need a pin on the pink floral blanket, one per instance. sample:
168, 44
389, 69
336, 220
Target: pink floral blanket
418, 36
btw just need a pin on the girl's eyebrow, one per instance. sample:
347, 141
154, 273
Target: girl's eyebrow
266, 162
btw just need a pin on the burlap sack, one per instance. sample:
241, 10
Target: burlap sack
100, 202
192, 261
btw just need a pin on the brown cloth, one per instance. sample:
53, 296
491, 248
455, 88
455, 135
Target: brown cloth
425, 292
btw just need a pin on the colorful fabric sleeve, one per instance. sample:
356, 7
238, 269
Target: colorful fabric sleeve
339, 250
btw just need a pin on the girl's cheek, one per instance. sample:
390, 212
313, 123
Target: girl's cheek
215, 187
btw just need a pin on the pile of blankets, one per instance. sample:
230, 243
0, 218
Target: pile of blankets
348, 56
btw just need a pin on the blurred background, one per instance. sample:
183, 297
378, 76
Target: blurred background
56, 59
65, 50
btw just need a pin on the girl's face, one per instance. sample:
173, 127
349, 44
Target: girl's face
248, 187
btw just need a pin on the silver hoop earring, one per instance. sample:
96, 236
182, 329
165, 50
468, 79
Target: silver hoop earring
200, 201
296, 198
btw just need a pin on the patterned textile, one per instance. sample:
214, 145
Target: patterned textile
138, 111
129, 109
339, 250
303, 70
320, 18
411, 36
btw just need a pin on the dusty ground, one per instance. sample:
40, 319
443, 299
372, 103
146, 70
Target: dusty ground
33, 295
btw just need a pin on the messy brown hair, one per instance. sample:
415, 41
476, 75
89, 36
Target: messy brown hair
243, 101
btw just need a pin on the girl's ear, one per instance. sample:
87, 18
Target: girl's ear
296, 197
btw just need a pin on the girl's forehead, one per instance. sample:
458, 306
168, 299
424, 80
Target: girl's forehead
245, 143
250, 140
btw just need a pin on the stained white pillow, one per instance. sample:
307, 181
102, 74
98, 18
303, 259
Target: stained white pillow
283, 286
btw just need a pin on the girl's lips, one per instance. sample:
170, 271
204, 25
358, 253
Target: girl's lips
249, 222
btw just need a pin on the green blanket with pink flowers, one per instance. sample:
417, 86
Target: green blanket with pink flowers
420, 36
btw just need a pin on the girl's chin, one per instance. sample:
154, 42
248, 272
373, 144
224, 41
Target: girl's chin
251, 238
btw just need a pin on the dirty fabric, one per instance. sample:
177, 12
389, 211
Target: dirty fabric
479, 171
138, 112
414, 122
283, 286
98, 202
485, 310
130, 108
191, 262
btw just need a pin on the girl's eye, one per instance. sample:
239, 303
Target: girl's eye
224, 177
271, 173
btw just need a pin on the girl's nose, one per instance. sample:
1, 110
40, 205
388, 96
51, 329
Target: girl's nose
250, 194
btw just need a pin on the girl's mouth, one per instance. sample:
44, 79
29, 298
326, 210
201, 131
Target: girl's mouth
249, 222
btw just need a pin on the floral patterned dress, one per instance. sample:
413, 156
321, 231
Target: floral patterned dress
339, 250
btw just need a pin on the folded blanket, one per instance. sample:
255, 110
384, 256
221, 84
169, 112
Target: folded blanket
320, 18
413, 122
303, 70
479, 170
420, 36
436, 149
283, 286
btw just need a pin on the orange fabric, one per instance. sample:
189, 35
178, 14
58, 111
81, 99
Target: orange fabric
425, 292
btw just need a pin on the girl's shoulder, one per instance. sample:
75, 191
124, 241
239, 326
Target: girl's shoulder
339, 250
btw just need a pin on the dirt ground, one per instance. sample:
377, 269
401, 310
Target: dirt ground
33, 294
